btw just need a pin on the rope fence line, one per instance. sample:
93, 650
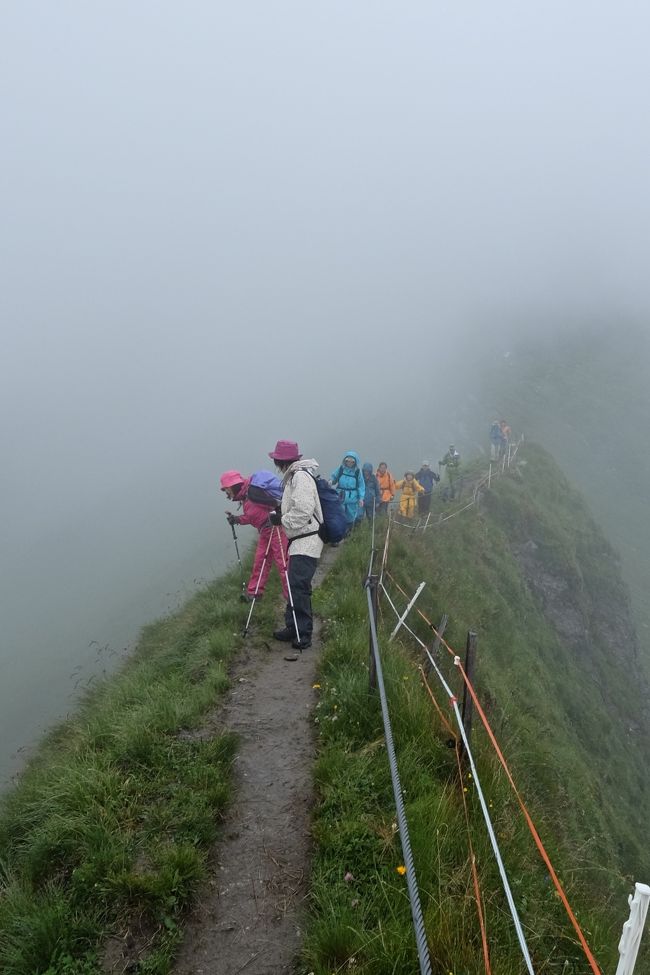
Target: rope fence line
485, 481
486, 815
477, 888
531, 826
633, 928
468, 684
495, 846
502, 760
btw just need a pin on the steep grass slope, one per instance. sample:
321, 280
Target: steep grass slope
558, 672
108, 831
587, 398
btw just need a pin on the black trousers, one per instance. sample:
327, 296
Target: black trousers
301, 572
424, 503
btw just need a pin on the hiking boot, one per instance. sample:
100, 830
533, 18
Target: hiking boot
301, 644
285, 636
248, 597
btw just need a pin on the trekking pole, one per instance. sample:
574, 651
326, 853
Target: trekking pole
290, 594
241, 567
257, 585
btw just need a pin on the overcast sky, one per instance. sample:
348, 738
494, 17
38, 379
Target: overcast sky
226, 223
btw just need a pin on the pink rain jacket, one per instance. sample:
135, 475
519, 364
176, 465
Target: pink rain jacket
252, 513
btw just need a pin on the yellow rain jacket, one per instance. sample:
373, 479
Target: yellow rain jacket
408, 500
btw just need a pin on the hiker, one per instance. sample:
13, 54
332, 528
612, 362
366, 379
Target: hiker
348, 479
506, 433
451, 461
300, 515
496, 440
272, 542
386, 483
410, 489
372, 498
427, 478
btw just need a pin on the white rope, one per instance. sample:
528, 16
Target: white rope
495, 845
422, 644
486, 815
488, 822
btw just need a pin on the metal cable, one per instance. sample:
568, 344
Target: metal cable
414, 896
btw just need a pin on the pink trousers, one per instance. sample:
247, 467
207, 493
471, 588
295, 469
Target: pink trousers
277, 549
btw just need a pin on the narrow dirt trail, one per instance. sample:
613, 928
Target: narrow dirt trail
249, 918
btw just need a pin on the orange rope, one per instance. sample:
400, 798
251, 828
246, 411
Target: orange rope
531, 826
477, 889
437, 706
540, 846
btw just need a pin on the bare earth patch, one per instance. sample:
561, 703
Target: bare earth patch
249, 918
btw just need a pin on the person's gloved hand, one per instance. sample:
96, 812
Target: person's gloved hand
233, 519
275, 517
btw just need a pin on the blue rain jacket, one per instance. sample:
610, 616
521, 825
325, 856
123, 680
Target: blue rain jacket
373, 491
351, 487
426, 478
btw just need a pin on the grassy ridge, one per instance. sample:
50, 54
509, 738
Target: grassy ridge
587, 398
581, 772
109, 827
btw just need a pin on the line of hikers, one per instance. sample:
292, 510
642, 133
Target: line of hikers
287, 511
416, 488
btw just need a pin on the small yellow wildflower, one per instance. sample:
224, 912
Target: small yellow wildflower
315, 687
401, 869
464, 788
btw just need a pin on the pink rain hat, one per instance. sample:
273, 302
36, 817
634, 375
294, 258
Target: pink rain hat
230, 479
285, 450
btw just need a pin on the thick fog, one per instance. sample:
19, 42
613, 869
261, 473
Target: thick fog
224, 224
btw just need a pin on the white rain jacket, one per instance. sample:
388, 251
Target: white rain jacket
301, 510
